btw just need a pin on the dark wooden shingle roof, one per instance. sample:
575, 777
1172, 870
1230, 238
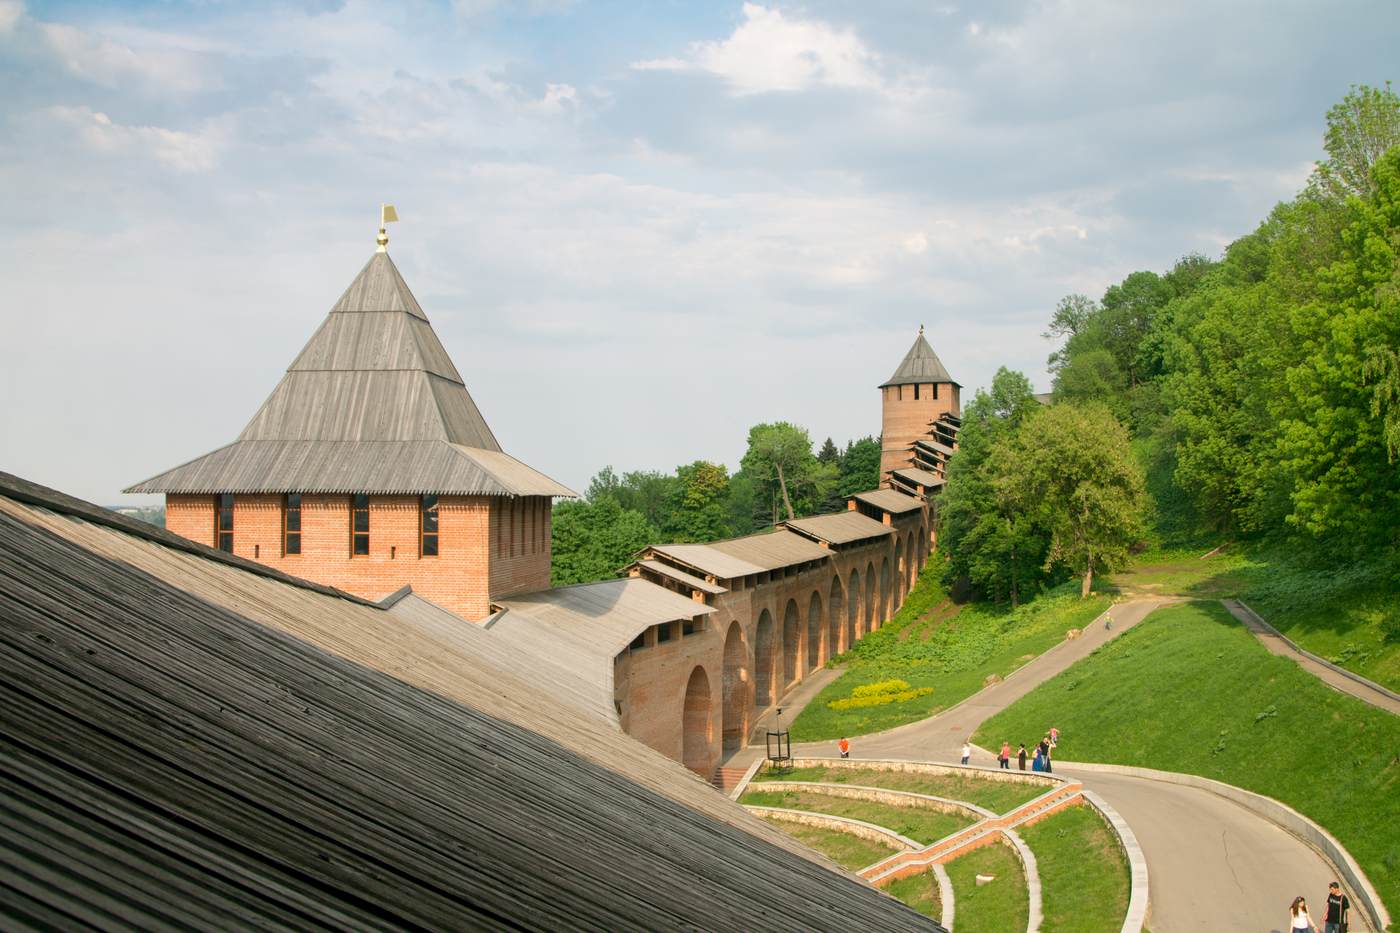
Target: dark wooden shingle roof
920, 365
166, 762
371, 404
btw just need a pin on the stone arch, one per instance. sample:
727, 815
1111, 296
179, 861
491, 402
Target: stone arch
852, 608
697, 731
815, 630
835, 600
765, 655
736, 688
885, 584
914, 564
897, 591
792, 644
871, 608
923, 545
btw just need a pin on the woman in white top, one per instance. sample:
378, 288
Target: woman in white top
1298, 918
966, 752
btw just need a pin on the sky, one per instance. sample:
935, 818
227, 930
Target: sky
638, 228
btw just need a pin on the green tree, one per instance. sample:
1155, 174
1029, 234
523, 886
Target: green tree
593, 540
991, 536
860, 467
698, 510
1074, 468
1362, 128
782, 451
829, 453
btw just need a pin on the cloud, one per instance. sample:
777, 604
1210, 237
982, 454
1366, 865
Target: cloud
10, 13
770, 51
115, 64
184, 152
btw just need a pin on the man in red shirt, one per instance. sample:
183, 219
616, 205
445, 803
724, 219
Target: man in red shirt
845, 746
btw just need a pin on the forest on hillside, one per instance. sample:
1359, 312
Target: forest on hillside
1252, 397
781, 476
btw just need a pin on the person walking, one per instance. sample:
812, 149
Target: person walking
1021, 756
1338, 910
966, 752
1298, 918
1038, 762
1042, 754
845, 747
1004, 757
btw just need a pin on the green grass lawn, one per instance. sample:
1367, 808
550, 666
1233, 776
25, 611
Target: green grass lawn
1348, 615
997, 796
921, 824
919, 892
1083, 874
1000, 906
850, 852
1192, 690
953, 657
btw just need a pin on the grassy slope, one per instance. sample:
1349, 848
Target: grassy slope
1340, 615
921, 824
1080, 895
997, 796
953, 658
850, 852
1000, 906
919, 892
1191, 690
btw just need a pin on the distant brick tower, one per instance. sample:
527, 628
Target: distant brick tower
370, 468
919, 394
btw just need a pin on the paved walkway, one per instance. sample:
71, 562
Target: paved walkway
1213, 865
1279, 645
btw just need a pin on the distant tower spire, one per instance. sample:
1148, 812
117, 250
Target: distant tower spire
921, 330
387, 215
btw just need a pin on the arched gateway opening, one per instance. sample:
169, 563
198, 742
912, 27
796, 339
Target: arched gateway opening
696, 732
792, 643
898, 592
872, 611
853, 609
814, 633
765, 657
885, 591
833, 620
736, 688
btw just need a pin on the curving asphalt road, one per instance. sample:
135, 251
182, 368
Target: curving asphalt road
1212, 864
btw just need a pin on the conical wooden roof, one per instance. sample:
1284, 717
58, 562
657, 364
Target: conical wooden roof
920, 365
371, 404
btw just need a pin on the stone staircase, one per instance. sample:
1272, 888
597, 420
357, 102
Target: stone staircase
979, 834
726, 779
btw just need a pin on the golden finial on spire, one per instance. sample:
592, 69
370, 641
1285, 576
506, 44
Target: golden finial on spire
387, 215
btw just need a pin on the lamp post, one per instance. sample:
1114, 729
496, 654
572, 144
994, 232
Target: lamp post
779, 746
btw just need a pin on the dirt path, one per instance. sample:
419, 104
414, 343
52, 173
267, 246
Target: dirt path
1277, 644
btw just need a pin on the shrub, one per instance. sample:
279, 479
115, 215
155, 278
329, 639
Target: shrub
884, 686
879, 699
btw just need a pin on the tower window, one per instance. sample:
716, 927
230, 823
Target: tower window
899, 393
916, 391
359, 525
935, 391
428, 526
291, 524
223, 525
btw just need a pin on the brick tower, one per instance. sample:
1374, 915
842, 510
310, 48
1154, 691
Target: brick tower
370, 468
917, 396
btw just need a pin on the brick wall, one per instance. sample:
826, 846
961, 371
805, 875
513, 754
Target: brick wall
906, 418
650, 684
461, 578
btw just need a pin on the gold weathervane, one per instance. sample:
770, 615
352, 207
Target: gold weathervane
387, 215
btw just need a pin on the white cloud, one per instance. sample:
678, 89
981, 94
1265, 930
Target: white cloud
10, 13
184, 152
115, 64
770, 51
916, 243
557, 99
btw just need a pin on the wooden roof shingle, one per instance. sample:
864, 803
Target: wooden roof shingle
920, 365
167, 761
374, 374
